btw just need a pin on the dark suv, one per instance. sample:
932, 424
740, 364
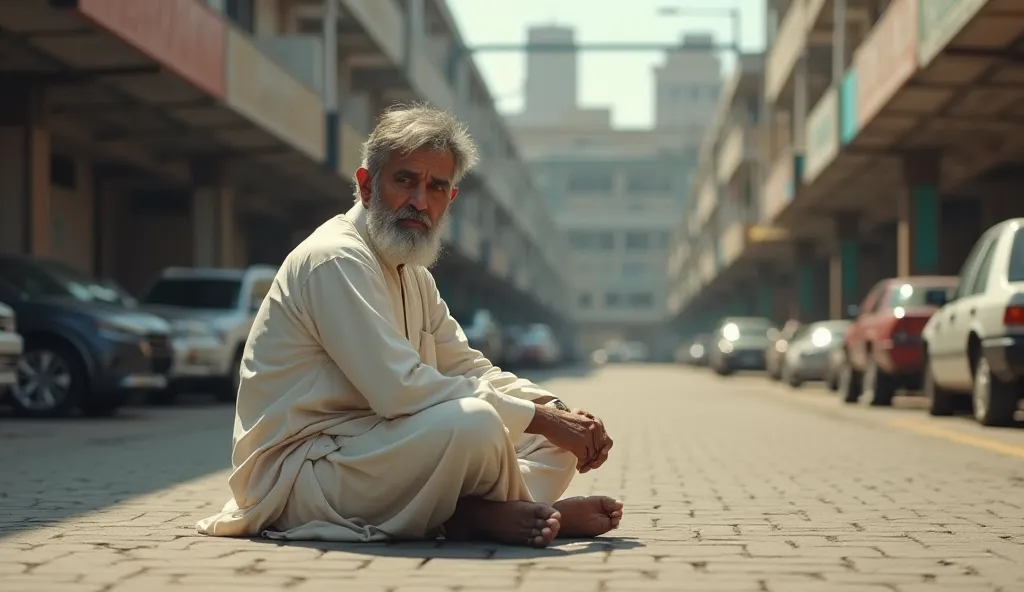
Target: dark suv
83, 347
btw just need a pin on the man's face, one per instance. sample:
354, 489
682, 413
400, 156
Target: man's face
407, 205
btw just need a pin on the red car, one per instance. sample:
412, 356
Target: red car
883, 348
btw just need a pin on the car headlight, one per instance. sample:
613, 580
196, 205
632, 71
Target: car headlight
8, 325
120, 329
731, 332
190, 329
821, 338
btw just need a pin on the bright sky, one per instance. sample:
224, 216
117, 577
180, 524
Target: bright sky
620, 80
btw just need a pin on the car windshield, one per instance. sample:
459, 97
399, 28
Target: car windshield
751, 327
40, 279
1016, 271
912, 295
201, 293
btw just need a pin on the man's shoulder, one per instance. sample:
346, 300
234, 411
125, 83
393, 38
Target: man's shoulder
337, 238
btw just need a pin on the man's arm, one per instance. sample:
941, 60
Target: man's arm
348, 304
456, 358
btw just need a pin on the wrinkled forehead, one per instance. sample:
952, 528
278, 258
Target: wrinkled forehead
425, 162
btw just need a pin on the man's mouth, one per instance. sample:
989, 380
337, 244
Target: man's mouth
409, 223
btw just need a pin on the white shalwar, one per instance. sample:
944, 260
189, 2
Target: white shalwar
363, 414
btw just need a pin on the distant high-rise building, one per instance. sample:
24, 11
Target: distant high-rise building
551, 77
687, 86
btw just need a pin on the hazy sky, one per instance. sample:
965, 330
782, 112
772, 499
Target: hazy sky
620, 80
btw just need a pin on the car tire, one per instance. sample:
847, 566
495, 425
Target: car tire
995, 401
941, 402
229, 391
790, 377
878, 387
63, 367
849, 384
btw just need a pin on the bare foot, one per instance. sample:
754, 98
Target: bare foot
514, 523
586, 517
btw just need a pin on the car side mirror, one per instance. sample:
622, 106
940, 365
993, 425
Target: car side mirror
852, 311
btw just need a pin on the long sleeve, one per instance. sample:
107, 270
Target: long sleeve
455, 357
348, 303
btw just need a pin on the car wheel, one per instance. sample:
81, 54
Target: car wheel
229, 392
52, 380
790, 377
940, 401
879, 388
849, 384
995, 402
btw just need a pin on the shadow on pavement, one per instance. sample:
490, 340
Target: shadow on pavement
542, 374
445, 550
54, 470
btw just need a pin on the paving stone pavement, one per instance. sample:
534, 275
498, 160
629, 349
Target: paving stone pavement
730, 485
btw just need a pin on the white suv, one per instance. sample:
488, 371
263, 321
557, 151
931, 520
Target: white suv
226, 301
974, 344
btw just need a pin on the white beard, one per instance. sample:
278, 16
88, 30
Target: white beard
399, 245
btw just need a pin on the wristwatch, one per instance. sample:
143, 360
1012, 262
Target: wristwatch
558, 404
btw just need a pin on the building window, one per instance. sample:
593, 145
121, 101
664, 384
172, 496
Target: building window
649, 182
592, 181
591, 241
585, 300
634, 270
637, 241
612, 300
241, 12
641, 300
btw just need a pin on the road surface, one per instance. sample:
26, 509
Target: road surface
730, 484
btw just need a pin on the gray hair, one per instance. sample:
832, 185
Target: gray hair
403, 129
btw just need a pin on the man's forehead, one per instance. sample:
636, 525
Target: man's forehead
424, 161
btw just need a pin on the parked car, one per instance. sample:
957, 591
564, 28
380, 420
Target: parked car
974, 344
511, 346
740, 344
777, 351
539, 346
83, 348
882, 348
808, 351
625, 352
695, 352
198, 352
11, 348
482, 332
225, 300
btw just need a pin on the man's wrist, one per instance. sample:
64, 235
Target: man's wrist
543, 418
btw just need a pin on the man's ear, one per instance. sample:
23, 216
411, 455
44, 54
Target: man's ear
364, 181
455, 193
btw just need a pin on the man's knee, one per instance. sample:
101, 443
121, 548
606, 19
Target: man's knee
472, 421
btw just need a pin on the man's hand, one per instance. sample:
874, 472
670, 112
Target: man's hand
603, 444
578, 432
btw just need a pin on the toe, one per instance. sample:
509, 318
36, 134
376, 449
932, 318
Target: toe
611, 505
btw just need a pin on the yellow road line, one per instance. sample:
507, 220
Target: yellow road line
923, 427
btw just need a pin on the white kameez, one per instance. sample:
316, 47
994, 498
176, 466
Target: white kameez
363, 414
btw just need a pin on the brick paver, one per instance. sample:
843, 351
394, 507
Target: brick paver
730, 485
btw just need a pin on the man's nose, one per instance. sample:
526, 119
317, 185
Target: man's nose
419, 198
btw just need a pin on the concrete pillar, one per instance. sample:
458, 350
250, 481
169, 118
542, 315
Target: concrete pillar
766, 292
838, 41
26, 221
213, 217
844, 267
806, 285
800, 100
917, 251
415, 31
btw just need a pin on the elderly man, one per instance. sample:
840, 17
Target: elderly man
364, 415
